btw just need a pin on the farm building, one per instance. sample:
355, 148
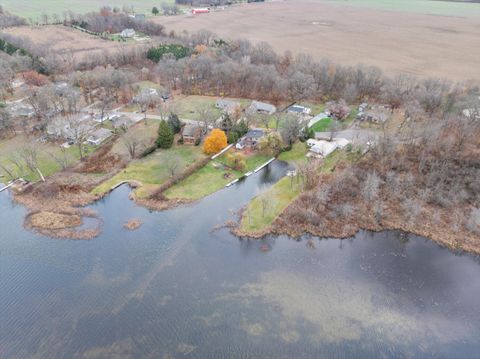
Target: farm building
203, 10
191, 134
262, 107
250, 140
127, 33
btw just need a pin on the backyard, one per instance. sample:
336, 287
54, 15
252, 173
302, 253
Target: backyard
153, 170
212, 178
11, 150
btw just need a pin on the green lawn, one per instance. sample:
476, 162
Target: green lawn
153, 170
296, 154
12, 147
317, 108
262, 210
323, 125
211, 178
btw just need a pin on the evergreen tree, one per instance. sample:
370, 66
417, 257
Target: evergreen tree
155, 11
165, 135
174, 122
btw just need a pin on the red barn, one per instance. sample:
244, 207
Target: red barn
204, 10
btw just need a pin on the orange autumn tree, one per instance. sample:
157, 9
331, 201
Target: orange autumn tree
215, 142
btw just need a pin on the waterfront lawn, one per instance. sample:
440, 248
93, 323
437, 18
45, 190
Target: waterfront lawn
152, 170
262, 210
210, 178
11, 148
296, 154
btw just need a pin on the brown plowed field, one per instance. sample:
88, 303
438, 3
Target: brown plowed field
397, 42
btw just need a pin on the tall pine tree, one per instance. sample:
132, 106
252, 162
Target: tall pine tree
165, 135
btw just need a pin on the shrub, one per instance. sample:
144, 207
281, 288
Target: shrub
215, 142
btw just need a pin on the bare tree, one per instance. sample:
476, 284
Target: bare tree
29, 154
371, 186
172, 164
131, 143
62, 158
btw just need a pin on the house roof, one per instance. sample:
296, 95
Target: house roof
191, 130
101, 133
256, 133
262, 106
298, 109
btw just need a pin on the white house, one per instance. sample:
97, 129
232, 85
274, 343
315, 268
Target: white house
299, 110
323, 148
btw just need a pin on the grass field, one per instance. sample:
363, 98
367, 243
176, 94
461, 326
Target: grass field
11, 148
211, 178
153, 170
257, 217
34, 8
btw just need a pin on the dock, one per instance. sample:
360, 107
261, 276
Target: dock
264, 165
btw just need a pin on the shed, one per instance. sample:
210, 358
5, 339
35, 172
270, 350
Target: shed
191, 134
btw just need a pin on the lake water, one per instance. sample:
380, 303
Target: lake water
175, 289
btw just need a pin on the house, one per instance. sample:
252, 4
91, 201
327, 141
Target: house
299, 110
322, 148
262, 107
70, 127
99, 136
127, 33
140, 17
122, 121
250, 140
228, 106
191, 134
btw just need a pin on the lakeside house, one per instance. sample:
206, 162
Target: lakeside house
322, 148
99, 136
191, 134
262, 107
127, 33
250, 140
70, 127
299, 110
